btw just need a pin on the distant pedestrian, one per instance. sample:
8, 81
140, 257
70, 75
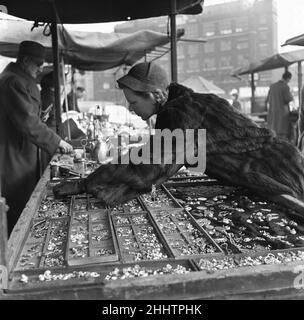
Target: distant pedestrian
235, 102
278, 98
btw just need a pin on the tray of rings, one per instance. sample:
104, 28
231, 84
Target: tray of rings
93, 274
53, 208
138, 239
91, 238
185, 173
183, 235
45, 246
86, 202
184, 178
147, 268
210, 265
132, 206
240, 221
159, 199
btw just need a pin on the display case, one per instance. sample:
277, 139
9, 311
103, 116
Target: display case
183, 241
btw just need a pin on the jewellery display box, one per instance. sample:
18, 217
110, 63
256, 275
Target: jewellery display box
90, 238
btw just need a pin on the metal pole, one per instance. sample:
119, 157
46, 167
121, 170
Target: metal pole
173, 41
65, 99
73, 89
56, 71
300, 82
252, 92
3, 235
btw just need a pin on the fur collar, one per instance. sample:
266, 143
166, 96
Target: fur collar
177, 90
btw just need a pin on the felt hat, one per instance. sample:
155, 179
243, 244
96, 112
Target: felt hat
32, 49
145, 77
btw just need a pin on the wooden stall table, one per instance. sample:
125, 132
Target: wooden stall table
177, 276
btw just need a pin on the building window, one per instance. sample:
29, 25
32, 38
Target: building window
225, 62
263, 19
225, 27
180, 51
209, 29
192, 30
242, 60
180, 66
225, 45
209, 63
106, 86
265, 76
193, 65
209, 47
263, 34
263, 49
242, 45
241, 25
193, 50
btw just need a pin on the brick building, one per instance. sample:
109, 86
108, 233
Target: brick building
237, 32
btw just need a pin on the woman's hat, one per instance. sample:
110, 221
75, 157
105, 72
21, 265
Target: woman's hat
145, 77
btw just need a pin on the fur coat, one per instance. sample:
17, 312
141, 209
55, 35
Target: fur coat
237, 151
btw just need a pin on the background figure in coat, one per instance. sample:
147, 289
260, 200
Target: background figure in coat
301, 123
238, 151
278, 98
235, 100
47, 95
21, 129
72, 99
48, 100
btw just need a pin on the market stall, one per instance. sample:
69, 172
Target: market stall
91, 51
276, 61
299, 41
194, 238
191, 238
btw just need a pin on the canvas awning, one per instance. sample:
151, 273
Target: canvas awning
90, 11
68, 11
85, 50
279, 60
202, 85
295, 41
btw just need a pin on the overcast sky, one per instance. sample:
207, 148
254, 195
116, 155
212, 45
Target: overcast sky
290, 21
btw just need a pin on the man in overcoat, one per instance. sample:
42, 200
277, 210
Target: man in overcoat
21, 130
279, 97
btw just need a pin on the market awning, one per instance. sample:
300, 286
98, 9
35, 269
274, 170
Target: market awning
68, 11
86, 50
202, 85
89, 11
279, 60
295, 41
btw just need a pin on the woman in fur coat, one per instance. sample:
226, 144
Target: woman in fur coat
238, 152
